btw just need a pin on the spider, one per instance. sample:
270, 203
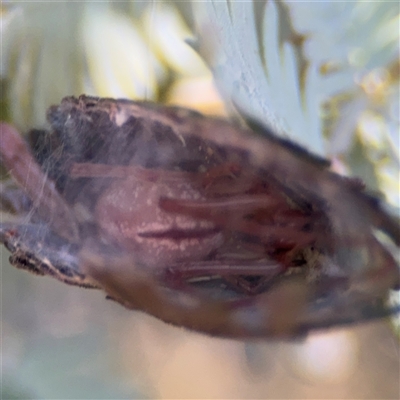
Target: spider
194, 220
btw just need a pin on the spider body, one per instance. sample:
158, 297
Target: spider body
128, 212
162, 207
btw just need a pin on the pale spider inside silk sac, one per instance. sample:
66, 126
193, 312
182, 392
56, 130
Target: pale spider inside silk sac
194, 220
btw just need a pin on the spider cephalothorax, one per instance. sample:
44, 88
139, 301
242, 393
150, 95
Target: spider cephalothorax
194, 220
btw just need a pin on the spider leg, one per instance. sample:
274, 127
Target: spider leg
232, 271
91, 170
17, 158
13, 199
251, 317
289, 309
231, 214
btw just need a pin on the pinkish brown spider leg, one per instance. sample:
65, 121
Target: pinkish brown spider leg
252, 317
13, 199
90, 170
230, 213
180, 275
17, 158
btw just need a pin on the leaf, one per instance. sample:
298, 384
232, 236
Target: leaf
268, 88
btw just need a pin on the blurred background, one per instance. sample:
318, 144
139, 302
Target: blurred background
325, 74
